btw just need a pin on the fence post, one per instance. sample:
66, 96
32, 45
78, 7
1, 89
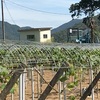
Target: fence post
60, 95
32, 83
64, 90
22, 87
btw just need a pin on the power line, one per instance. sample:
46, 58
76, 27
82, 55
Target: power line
35, 9
9, 14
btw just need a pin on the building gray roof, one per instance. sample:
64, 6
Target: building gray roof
31, 29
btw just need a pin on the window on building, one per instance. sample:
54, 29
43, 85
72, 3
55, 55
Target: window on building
31, 37
45, 36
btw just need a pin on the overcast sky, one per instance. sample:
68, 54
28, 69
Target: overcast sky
37, 13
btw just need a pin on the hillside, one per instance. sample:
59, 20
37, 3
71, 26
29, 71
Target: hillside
11, 31
60, 33
66, 25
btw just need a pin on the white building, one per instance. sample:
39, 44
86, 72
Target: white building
36, 34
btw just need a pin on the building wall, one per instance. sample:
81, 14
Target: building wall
23, 35
38, 35
46, 32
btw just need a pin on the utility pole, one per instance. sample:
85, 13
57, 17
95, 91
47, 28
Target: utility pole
3, 28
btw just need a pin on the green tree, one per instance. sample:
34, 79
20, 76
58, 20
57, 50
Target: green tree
87, 7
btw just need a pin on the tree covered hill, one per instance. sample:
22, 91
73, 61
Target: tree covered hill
66, 25
11, 31
60, 33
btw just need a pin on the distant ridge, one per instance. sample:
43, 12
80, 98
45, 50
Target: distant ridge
66, 25
59, 34
11, 31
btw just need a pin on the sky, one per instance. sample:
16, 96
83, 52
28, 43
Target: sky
37, 13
